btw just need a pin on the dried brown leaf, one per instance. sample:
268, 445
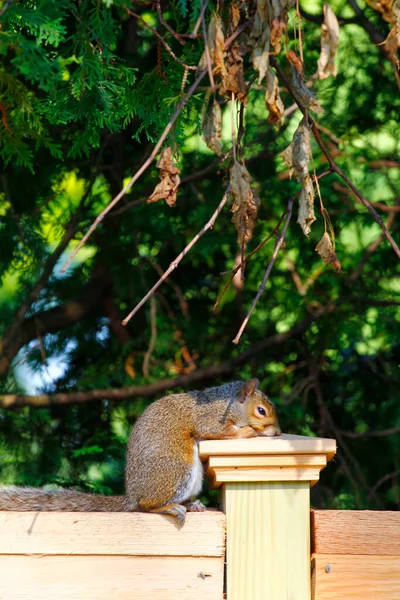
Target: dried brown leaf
294, 60
259, 40
233, 81
168, 187
392, 42
278, 27
260, 54
234, 13
278, 19
302, 92
329, 44
217, 55
297, 154
212, 127
273, 99
297, 158
326, 251
215, 42
306, 215
245, 202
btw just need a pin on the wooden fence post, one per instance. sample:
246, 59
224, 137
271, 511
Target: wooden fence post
266, 499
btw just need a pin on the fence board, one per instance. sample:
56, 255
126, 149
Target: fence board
354, 577
355, 532
136, 534
106, 577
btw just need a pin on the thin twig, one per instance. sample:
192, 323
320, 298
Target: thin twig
279, 242
334, 167
381, 481
175, 263
369, 434
5, 6
161, 39
236, 33
196, 28
140, 171
168, 27
208, 56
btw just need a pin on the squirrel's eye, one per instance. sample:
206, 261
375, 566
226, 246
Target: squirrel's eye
261, 410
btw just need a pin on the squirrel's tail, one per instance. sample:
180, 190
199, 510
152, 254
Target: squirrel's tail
29, 498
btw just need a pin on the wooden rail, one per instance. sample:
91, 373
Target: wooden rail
356, 555
265, 489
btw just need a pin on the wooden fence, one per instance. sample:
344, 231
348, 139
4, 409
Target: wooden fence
259, 548
356, 555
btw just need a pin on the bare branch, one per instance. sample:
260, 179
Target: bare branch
168, 27
370, 434
196, 28
140, 171
161, 39
279, 242
5, 7
334, 167
175, 263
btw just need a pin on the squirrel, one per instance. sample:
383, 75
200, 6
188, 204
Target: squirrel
163, 469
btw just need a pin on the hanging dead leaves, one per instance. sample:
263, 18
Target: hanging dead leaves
168, 187
212, 128
326, 250
245, 203
329, 44
297, 158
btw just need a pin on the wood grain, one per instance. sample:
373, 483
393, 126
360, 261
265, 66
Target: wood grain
355, 577
110, 578
265, 474
283, 444
268, 460
355, 532
268, 541
135, 534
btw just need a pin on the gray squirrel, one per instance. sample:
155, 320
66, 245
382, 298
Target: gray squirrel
163, 469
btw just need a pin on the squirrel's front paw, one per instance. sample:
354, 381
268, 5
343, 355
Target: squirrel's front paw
246, 432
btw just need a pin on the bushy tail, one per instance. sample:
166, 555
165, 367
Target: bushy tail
29, 498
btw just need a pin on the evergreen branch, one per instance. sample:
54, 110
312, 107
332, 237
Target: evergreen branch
278, 245
186, 250
333, 166
141, 170
209, 373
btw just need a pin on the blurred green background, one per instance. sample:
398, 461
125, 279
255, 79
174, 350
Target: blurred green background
85, 91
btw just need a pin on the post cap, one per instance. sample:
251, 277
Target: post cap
282, 458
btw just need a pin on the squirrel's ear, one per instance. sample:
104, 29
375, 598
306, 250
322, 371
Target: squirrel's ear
248, 389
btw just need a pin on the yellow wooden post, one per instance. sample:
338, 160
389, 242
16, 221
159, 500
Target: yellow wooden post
266, 499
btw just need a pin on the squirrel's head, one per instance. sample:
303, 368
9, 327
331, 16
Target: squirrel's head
260, 411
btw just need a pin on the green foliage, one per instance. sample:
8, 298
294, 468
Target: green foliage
85, 91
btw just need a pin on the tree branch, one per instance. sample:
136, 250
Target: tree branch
175, 263
200, 375
279, 242
370, 434
140, 171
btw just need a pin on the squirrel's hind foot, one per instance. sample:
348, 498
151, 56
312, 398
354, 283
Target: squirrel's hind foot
178, 511
195, 506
